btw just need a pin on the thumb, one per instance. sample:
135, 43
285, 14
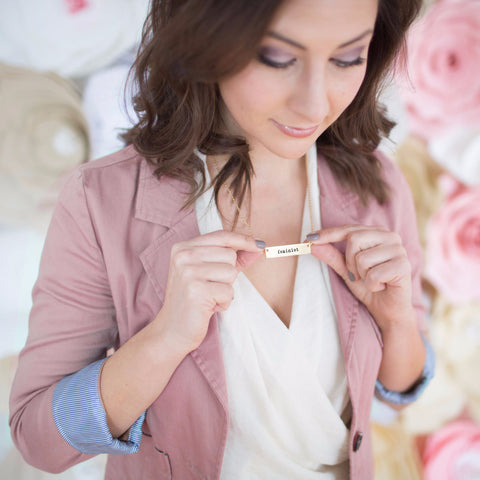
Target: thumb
328, 254
245, 259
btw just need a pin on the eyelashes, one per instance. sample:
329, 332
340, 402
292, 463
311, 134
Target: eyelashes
272, 63
339, 63
352, 63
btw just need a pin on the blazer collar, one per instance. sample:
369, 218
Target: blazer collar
161, 200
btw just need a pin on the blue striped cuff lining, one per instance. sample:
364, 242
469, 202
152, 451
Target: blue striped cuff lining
81, 419
412, 395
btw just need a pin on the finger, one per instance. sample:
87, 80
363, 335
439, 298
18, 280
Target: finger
338, 234
187, 255
209, 296
336, 260
332, 257
245, 259
222, 295
211, 272
222, 238
394, 273
361, 240
366, 259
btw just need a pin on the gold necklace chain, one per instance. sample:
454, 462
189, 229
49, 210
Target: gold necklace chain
278, 250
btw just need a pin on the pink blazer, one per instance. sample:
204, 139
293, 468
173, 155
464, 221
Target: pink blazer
102, 278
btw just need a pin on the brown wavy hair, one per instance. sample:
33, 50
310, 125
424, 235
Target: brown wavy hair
189, 45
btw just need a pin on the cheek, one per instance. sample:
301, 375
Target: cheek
346, 90
250, 93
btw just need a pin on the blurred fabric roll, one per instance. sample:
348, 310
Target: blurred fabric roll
105, 109
43, 135
394, 453
456, 338
71, 37
441, 402
422, 174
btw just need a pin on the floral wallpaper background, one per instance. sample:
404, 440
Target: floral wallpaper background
62, 105
438, 437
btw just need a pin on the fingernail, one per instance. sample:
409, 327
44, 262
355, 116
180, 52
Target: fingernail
351, 276
260, 244
313, 236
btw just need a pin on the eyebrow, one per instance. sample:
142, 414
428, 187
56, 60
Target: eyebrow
302, 47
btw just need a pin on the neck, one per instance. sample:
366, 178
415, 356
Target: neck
273, 170
269, 170
272, 189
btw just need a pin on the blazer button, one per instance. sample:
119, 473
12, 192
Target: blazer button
357, 441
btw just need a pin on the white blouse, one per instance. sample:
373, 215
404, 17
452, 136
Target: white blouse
287, 389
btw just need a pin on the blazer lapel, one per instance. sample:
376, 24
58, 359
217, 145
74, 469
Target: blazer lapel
336, 210
161, 202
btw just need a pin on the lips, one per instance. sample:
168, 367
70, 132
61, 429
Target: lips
295, 131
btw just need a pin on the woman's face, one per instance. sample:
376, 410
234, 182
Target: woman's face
309, 67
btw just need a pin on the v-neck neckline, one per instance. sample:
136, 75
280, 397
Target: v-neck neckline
208, 207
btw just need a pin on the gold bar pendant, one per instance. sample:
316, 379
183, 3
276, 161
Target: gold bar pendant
288, 250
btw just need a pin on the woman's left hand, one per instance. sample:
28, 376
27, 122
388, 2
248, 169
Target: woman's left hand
375, 268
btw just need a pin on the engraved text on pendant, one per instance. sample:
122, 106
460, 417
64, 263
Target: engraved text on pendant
288, 250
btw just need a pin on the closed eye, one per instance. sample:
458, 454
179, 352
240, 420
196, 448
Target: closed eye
272, 63
347, 64
339, 63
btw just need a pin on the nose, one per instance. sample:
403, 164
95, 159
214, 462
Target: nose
309, 98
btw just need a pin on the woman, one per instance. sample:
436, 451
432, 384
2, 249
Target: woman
229, 364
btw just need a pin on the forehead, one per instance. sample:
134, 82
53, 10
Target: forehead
324, 23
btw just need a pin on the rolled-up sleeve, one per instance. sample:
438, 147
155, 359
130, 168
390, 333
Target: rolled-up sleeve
72, 325
80, 416
401, 398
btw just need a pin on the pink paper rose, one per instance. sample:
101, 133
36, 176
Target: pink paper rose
442, 87
453, 453
453, 245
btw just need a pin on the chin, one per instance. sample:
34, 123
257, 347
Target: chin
292, 149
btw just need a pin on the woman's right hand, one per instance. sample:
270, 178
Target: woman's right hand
200, 282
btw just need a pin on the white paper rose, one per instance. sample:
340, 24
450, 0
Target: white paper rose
441, 402
455, 333
458, 151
